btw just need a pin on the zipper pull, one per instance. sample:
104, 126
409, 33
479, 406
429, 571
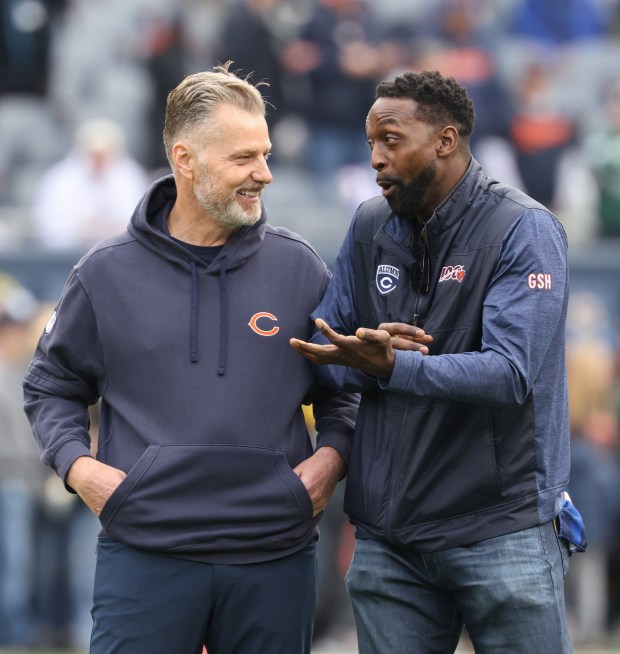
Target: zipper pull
414, 321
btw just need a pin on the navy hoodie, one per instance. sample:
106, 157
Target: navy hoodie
201, 391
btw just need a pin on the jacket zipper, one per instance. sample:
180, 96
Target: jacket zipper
416, 309
388, 525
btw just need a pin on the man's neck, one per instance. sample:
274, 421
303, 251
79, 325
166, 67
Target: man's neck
188, 224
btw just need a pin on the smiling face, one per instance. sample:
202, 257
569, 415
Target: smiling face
404, 154
232, 169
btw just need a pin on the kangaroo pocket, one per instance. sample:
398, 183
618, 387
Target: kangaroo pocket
209, 498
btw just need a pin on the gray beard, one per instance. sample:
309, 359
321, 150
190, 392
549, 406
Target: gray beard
224, 210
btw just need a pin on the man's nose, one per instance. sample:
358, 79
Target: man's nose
377, 158
262, 173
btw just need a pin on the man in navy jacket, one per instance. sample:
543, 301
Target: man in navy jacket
205, 479
447, 310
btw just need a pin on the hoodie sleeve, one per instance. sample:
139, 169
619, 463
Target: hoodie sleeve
335, 413
335, 410
64, 378
524, 309
338, 310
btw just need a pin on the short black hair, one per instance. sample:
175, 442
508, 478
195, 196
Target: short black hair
441, 100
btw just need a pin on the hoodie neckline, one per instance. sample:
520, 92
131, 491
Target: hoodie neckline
159, 200
144, 227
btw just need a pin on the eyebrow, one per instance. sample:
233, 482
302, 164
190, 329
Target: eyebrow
388, 120
250, 151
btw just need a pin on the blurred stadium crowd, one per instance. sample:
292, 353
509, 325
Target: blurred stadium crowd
83, 85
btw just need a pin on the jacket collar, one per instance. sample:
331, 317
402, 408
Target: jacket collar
459, 200
395, 234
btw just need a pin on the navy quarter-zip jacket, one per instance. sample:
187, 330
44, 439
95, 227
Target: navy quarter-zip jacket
472, 444
201, 391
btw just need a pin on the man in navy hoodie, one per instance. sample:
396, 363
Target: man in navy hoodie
205, 480
461, 450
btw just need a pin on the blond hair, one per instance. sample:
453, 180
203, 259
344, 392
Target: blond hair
191, 105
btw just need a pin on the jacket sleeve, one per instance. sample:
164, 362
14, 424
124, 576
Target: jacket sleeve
337, 309
524, 309
63, 379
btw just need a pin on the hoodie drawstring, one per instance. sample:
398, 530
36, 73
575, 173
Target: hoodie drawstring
193, 325
193, 319
221, 368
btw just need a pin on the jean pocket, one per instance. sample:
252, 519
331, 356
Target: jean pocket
563, 547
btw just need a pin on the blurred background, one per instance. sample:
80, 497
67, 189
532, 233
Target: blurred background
83, 85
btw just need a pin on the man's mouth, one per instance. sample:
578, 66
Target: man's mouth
388, 186
250, 194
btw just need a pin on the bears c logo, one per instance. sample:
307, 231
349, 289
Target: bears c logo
263, 332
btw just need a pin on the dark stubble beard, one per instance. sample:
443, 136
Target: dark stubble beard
408, 199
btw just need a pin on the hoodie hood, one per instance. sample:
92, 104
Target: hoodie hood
144, 227
242, 244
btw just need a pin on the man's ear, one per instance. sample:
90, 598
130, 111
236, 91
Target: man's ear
184, 159
448, 141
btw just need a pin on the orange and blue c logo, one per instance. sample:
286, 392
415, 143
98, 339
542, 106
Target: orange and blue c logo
260, 316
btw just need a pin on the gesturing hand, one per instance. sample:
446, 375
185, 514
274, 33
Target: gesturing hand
370, 350
407, 337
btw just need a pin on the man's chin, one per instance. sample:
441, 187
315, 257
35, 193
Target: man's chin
239, 219
394, 205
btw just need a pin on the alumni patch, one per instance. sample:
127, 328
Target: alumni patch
387, 278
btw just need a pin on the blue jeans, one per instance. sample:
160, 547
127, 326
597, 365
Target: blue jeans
508, 591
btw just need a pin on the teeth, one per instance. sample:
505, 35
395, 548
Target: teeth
249, 194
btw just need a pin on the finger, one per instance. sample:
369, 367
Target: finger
319, 354
407, 345
327, 331
403, 329
423, 340
313, 348
373, 336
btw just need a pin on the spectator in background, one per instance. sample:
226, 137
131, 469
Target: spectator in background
89, 194
25, 38
27, 130
557, 22
465, 51
595, 481
459, 42
252, 36
540, 133
602, 154
341, 53
66, 555
165, 63
595, 472
21, 474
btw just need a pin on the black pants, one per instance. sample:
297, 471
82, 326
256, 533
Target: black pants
146, 603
